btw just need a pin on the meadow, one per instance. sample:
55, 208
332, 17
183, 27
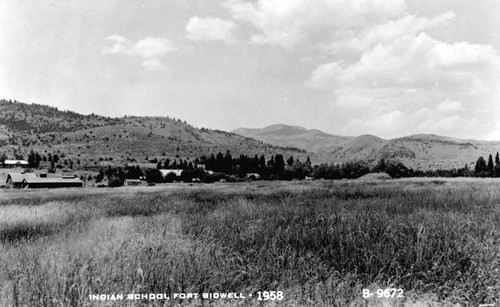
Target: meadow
320, 242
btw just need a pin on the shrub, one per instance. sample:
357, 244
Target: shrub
115, 182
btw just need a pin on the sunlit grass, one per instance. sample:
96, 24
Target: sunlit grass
320, 243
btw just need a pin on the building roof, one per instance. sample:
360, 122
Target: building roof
164, 172
23, 162
19, 177
50, 180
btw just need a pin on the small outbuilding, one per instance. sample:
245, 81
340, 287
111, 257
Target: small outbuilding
132, 182
253, 176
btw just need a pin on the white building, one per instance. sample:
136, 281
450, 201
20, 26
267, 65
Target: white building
15, 163
165, 172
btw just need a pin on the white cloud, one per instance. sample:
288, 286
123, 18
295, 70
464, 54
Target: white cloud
415, 63
349, 43
149, 49
396, 123
442, 88
295, 24
449, 106
210, 29
494, 135
153, 64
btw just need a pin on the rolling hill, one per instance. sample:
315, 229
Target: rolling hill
419, 151
94, 140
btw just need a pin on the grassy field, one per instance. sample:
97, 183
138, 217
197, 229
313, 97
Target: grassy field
320, 242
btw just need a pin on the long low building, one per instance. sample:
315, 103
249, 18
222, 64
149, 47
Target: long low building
15, 163
39, 183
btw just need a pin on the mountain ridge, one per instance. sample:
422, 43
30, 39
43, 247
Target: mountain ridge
94, 140
419, 151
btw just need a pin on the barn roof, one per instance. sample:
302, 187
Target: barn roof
50, 180
19, 177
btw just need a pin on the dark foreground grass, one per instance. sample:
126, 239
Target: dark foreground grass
320, 244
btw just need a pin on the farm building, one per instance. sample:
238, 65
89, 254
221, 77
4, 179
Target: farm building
15, 163
15, 180
132, 182
253, 176
165, 172
39, 183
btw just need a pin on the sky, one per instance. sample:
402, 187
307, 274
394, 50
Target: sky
347, 67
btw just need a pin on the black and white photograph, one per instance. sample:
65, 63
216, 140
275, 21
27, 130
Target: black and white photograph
250, 153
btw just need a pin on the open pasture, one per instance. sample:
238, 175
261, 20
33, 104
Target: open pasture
319, 242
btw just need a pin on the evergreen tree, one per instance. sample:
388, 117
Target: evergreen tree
496, 169
270, 163
480, 165
381, 166
3, 158
38, 158
31, 159
219, 162
280, 163
490, 164
228, 163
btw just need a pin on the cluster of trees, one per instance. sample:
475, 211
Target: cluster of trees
3, 157
168, 164
225, 166
356, 169
34, 159
274, 168
487, 169
116, 175
347, 170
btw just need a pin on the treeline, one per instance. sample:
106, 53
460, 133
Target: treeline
116, 175
221, 166
487, 169
273, 168
34, 160
393, 167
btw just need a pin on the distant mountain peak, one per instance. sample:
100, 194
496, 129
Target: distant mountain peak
312, 140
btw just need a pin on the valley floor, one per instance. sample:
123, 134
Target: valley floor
321, 243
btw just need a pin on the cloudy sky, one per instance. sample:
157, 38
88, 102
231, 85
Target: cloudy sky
347, 67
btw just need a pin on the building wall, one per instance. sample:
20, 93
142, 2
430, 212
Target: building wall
41, 185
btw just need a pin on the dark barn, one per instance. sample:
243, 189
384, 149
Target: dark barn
15, 180
40, 183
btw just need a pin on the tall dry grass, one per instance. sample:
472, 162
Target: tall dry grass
320, 243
